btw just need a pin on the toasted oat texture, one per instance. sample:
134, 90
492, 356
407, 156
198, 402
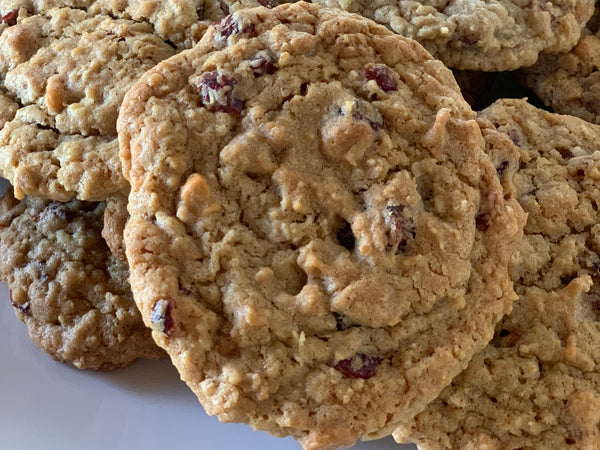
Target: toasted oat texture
537, 385
569, 83
68, 289
8, 108
180, 22
490, 35
69, 73
316, 235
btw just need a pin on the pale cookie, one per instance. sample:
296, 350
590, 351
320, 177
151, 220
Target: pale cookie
69, 73
537, 385
316, 235
569, 83
490, 35
68, 289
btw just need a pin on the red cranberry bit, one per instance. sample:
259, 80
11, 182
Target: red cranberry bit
401, 229
229, 26
216, 91
383, 76
543, 6
268, 3
501, 168
514, 137
262, 65
161, 316
359, 366
10, 18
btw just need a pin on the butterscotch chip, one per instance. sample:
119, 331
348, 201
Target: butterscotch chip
316, 235
537, 384
490, 35
65, 285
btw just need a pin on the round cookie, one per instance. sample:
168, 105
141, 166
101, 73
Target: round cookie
537, 384
489, 35
69, 73
316, 237
70, 82
65, 285
569, 83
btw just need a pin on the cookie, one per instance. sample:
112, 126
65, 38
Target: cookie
537, 384
65, 285
489, 35
569, 82
316, 235
180, 22
69, 73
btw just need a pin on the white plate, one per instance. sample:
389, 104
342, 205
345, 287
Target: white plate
46, 405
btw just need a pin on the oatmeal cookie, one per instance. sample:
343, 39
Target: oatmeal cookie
537, 384
68, 289
69, 74
569, 82
317, 236
490, 35
179, 22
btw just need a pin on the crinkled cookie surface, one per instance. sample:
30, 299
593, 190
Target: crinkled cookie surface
316, 236
537, 385
68, 289
490, 35
69, 73
569, 82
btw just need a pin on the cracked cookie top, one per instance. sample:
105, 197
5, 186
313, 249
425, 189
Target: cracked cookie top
65, 285
317, 236
569, 82
537, 384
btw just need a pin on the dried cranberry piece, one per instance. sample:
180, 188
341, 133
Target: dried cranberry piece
268, 3
262, 65
383, 76
216, 91
400, 229
10, 18
161, 316
565, 153
514, 137
342, 322
359, 366
229, 26
501, 168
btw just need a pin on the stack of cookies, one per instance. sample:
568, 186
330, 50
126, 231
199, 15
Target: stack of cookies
298, 205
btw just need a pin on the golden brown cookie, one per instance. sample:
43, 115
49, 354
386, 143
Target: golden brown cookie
489, 35
65, 285
316, 235
537, 384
